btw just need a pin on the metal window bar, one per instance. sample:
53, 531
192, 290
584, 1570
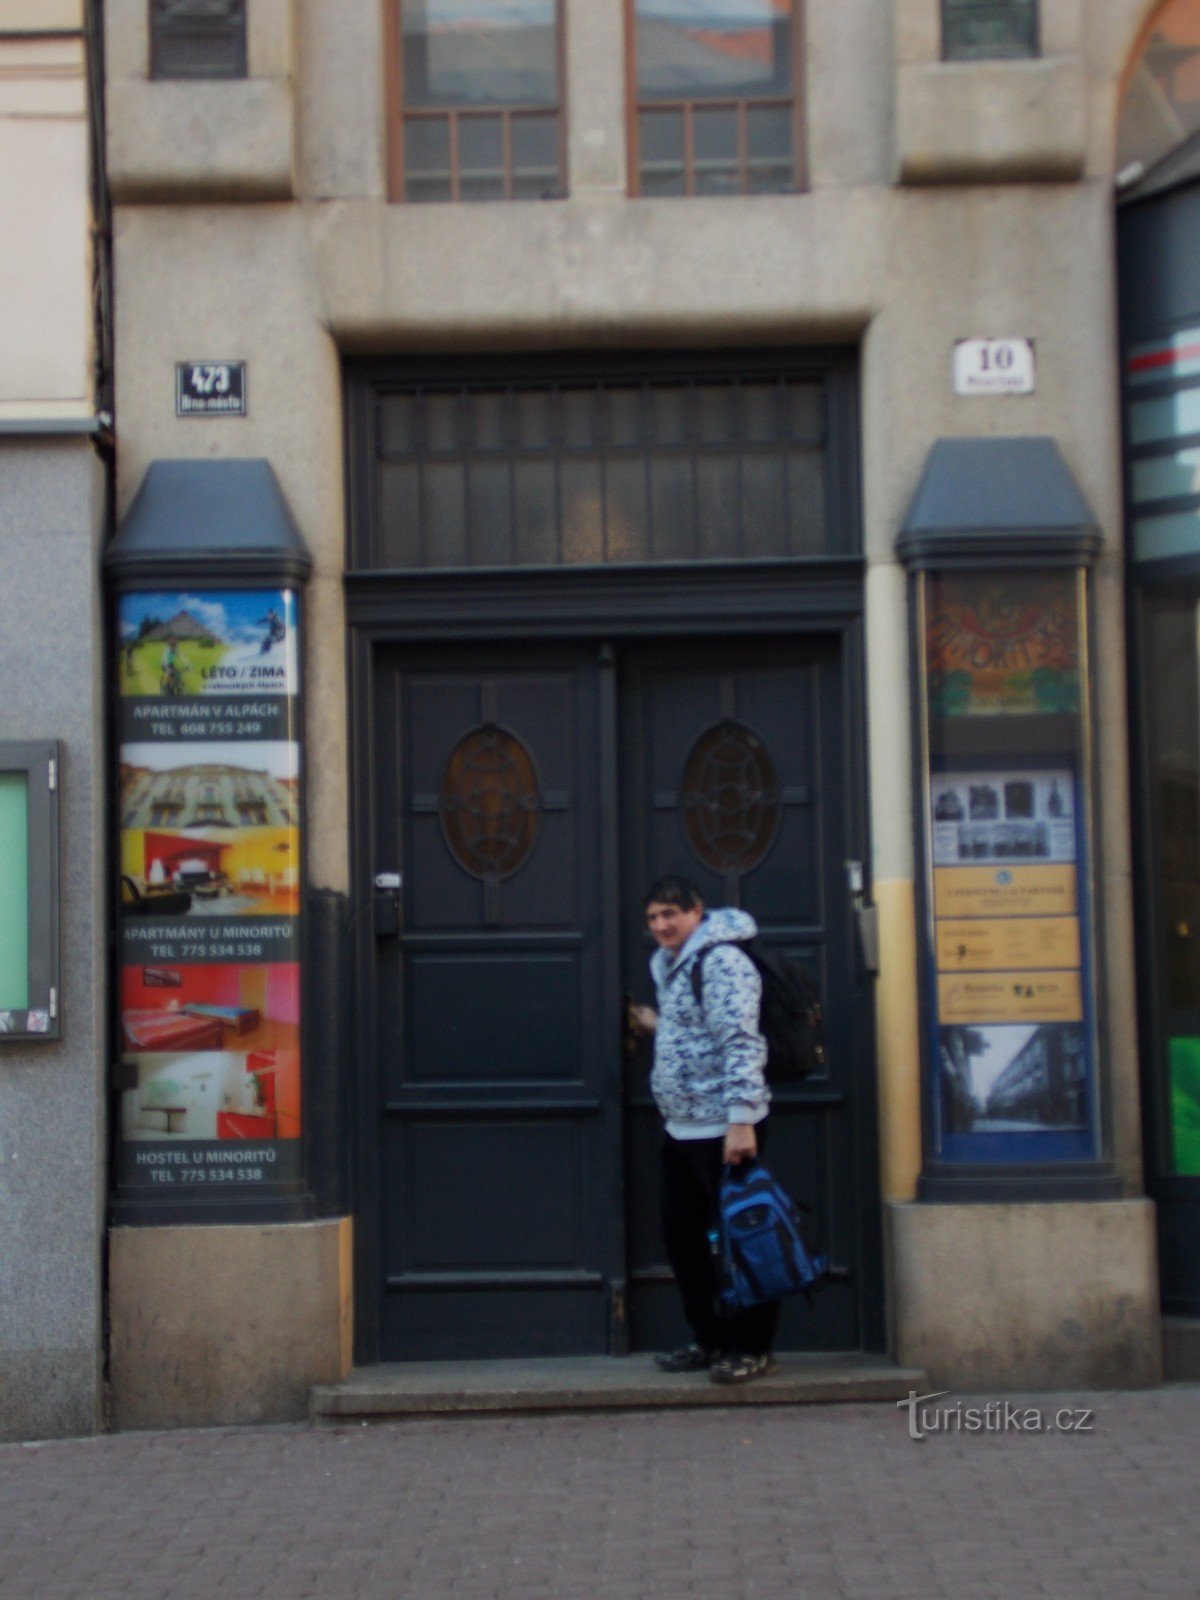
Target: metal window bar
198, 39
739, 448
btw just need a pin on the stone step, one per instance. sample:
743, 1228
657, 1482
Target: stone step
598, 1383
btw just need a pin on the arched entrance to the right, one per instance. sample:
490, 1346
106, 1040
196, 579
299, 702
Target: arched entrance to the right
1158, 243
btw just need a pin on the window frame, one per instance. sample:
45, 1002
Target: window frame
39, 761
398, 112
950, 9
169, 59
634, 106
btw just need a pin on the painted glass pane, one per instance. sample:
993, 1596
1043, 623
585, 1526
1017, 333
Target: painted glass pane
479, 52
730, 796
490, 803
14, 891
997, 643
689, 49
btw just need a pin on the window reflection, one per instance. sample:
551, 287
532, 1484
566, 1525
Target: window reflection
1162, 99
687, 49
479, 53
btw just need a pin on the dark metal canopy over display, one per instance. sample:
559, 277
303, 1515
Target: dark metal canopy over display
191, 517
980, 499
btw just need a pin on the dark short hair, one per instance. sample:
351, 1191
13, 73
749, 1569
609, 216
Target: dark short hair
672, 890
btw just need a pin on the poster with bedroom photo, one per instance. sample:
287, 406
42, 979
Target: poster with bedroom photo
213, 1119
216, 1006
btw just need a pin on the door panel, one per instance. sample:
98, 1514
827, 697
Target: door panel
733, 774
500, 1223
518, 1147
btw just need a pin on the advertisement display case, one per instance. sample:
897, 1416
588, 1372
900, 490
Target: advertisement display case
208, 1108
999, 545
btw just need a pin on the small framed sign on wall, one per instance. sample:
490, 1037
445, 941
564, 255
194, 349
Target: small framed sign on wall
29, 916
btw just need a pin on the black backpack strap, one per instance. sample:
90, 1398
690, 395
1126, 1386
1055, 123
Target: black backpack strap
697, 972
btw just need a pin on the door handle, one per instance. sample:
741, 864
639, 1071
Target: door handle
387, 905
866, 920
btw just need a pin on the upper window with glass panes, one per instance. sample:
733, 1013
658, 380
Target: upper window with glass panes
989, 30
714, 91
476, 112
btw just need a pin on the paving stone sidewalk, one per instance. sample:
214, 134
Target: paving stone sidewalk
807, 1503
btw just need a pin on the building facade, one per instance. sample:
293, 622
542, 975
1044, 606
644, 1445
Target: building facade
560, 441
54, 509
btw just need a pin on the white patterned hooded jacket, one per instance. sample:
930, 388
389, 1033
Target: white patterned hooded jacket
708, 1062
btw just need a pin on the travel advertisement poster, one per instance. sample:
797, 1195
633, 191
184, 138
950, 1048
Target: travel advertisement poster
204, 665
209, 777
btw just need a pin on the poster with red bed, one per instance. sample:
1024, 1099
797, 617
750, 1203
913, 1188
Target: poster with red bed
208, 1077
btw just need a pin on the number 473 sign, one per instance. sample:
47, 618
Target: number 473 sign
994, 366
210, 388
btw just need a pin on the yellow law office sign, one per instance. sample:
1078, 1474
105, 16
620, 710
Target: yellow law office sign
989, 944
994, 891
1010, 997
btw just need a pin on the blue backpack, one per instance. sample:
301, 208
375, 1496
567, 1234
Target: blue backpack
758, 1246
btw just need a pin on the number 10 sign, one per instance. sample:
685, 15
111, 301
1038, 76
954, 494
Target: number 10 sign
994, 366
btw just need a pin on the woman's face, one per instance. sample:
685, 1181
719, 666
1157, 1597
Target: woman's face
670, 925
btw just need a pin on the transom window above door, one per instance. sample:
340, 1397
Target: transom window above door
714, 96
726, 456
475, 99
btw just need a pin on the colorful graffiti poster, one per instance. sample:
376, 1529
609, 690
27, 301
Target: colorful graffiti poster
1002, 643
209, 797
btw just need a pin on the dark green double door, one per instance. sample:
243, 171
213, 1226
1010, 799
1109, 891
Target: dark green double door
527, 797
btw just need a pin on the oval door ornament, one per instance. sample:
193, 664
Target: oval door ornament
730, 798
489, 803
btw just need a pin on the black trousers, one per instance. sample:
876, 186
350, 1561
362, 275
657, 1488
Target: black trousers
691, 1178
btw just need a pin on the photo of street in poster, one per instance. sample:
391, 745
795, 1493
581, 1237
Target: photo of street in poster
211, 1007
1015, 817
1007, 1078
210, 872
226, 642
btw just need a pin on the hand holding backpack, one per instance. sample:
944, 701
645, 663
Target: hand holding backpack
758, 1246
